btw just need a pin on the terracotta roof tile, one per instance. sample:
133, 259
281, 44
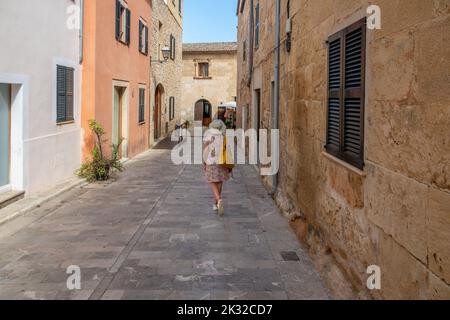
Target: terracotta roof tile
210, 47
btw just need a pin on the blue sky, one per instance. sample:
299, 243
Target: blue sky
209, 20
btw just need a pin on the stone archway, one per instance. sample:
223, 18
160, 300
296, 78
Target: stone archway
203, 112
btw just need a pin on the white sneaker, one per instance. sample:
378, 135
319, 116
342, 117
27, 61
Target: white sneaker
215, 208
220, 207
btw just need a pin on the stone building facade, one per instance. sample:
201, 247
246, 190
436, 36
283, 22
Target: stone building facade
393, 209
209, 78
167, 16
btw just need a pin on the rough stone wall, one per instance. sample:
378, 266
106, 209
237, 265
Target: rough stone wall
220, 88
396, 212
166, 21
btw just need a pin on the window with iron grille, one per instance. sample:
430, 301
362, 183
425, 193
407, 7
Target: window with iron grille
141, 105
346, 93
64, 94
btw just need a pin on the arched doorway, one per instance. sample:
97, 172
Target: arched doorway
159, 94
203, 112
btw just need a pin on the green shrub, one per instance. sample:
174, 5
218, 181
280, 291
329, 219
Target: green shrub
99, 168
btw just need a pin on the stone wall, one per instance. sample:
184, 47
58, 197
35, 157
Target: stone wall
219, 88
395, 213
166, 22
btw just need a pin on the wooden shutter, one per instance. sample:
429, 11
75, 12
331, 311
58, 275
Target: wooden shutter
69, 93
345, 118
118, 10
141, 27
127, 31
146, 40
353, 141
60, 94
257, 26
172, 47
171, 108
141, 105
334, 94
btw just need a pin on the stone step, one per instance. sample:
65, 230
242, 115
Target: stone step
9, 197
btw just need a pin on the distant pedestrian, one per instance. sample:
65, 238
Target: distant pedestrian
216, 172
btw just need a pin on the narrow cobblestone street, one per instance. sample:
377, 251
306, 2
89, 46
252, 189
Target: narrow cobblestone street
152, 234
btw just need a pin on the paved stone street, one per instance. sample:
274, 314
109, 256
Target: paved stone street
152, 234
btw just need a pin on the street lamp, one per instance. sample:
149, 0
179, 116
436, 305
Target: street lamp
165, 53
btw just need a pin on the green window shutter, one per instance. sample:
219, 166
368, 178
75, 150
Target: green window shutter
60, 94
69, 93
118, 10
141, 105
146, 40
127, 31
140, 35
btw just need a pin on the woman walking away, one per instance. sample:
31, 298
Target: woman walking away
215, 172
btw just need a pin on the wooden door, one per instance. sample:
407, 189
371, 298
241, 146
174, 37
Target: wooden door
117, 134
157, 119
207, 111
198, 111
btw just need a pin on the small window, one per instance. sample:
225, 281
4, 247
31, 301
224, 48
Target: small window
203, 70
244, 50
171, 108
141, 105
257, 26
143, 37
172, 47
64, 94
346, 91
123, 19
180, 4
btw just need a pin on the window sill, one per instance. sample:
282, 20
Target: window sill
62, 123
124, 42
202, 78
344, 164
141, 123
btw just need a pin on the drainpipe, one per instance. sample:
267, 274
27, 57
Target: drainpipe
276, 104
81, 29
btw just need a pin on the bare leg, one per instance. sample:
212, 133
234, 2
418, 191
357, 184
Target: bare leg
220, 184
215, 190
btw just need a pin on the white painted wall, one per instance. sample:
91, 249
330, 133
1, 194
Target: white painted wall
34, 39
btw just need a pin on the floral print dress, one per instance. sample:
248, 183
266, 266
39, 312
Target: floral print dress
214, 172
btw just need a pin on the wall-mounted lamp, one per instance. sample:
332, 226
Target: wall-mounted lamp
165, 53
288, 34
